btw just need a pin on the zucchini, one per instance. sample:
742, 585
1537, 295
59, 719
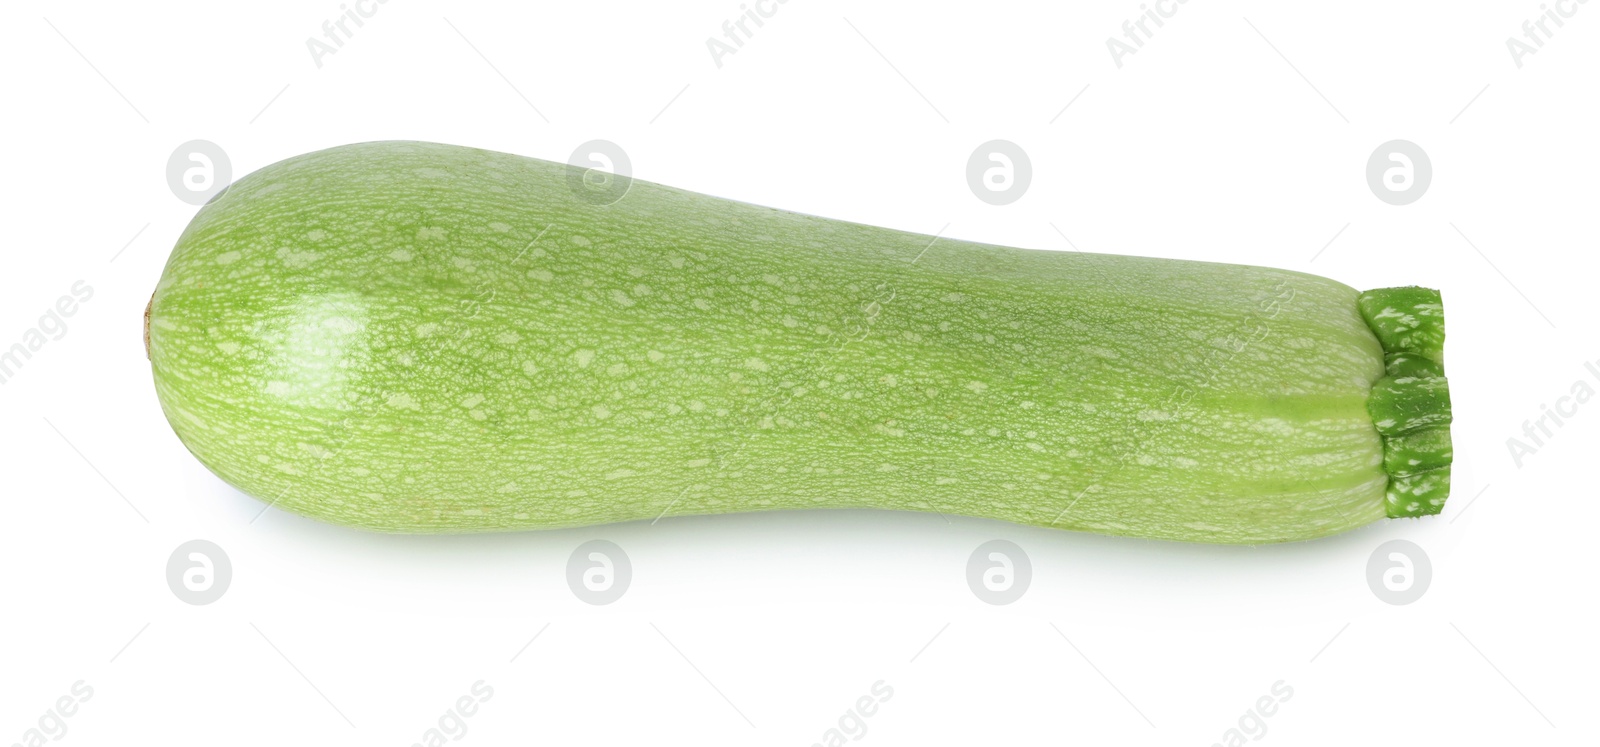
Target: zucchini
415, 337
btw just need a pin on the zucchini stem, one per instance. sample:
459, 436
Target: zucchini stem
1410, 405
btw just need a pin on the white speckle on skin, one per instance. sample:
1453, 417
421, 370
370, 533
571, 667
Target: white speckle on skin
403, 401
601, 411
400, 255
341, 324
622, 299
1273, 426
427, 330
583, 357
228, 258
292, 258
541, 275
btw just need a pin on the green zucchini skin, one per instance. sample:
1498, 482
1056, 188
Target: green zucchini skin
415, 337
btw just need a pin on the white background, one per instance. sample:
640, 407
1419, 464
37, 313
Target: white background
1238, 133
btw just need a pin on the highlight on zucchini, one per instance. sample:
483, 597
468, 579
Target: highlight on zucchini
414, 337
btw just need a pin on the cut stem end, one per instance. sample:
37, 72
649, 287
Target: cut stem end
1410, 405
